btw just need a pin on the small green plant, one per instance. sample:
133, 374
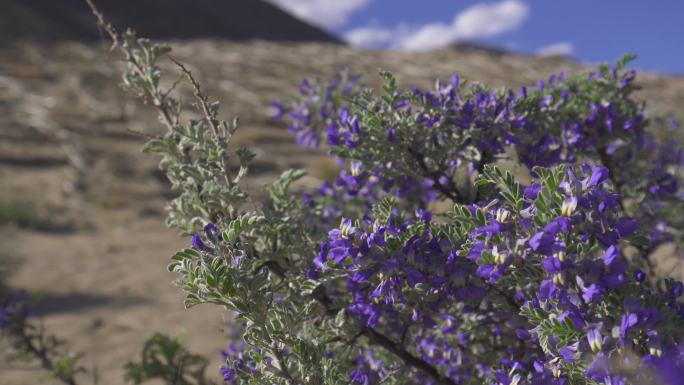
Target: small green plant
22, 214
166, 359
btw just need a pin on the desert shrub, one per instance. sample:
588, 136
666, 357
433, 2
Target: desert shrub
542, 277
516, 283
359, 282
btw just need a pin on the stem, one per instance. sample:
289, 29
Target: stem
608, 163
114, 36
449, 190
645, 250
321, 295
283, 366
39, 352
409, 359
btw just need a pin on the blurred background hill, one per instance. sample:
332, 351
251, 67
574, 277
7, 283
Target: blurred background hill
81, 209
62, 20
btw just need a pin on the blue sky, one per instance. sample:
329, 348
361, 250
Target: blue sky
589, 30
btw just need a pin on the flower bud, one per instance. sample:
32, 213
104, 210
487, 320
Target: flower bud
595, 340
499, 258
639, 275
558, 279
355, 168
197, 243
346, 227
568, 207
560, 256
501, 215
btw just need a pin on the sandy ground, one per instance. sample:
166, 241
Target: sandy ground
102, 268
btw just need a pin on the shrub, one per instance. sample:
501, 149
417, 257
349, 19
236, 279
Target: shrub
517, 283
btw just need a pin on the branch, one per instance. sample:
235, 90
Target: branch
40, 351
209, 117
283, 366
104, 25
161, 106
449, 191
204, 104
320, 294
612, 174
409, 359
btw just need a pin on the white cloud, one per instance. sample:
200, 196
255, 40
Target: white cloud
563, 48
325, 13
486, 20
427, 37
369, 37
477, 21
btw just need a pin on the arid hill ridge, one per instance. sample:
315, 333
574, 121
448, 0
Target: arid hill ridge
60, 20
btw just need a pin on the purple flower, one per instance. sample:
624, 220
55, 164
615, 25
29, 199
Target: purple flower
567, 353
542, 242
358, 376
598, 175
491, 228
197, 243
551, 265
609, 255
591, 293
639, 275
312, 274
211, 231
627, 321
390, 134
227, 373
626, 227
595, 340
599, 368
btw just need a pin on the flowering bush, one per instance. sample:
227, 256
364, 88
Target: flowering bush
544, 282
472, 236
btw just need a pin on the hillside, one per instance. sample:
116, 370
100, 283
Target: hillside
58, 20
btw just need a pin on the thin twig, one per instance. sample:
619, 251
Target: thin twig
141, 134
204, 104
104, 25
206, 109
161, 106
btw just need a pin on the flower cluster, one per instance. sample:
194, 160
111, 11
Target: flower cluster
448, 134
319, 106
455, 301
237, 362
518, 284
